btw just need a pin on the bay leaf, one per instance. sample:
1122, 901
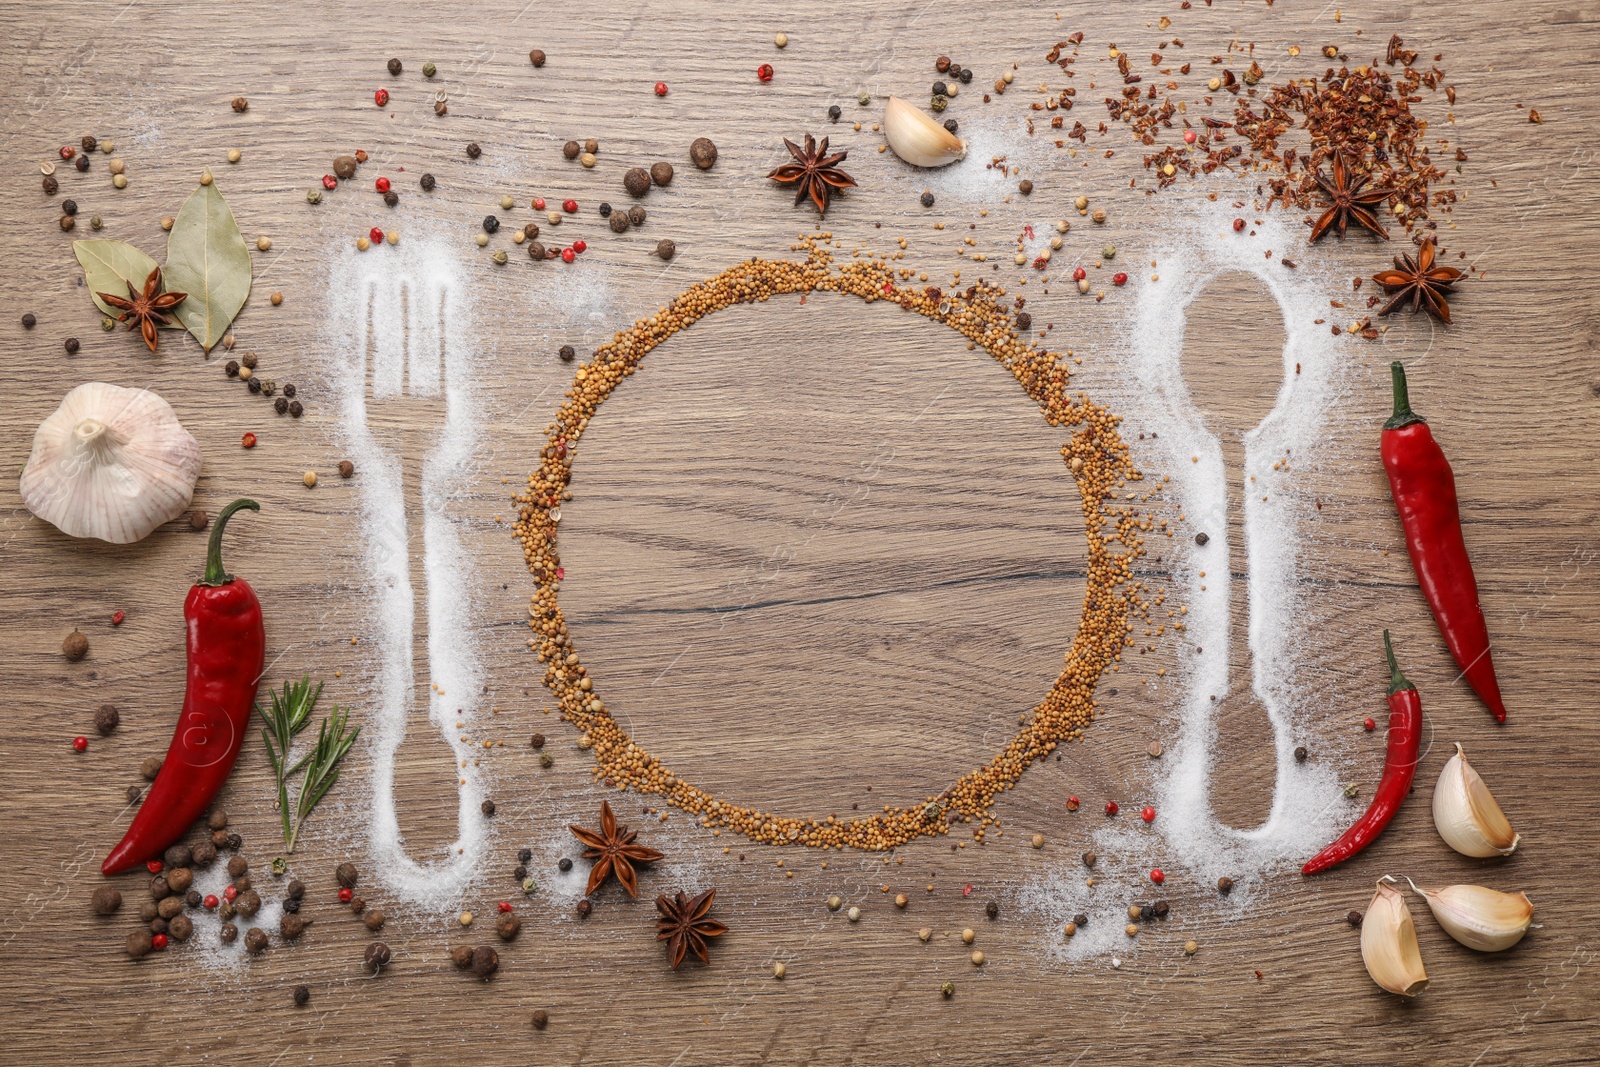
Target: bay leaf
207, 258
110, 267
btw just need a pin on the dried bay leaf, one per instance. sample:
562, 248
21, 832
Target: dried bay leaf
207, 258
110, 267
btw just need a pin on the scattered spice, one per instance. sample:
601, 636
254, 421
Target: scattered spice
814, 173
614, 852
1419, 282
684, 924
703, 152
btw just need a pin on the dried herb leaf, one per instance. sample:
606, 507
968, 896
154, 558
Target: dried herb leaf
111, 267
207, 258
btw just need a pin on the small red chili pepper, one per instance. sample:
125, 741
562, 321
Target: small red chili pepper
1399, 767
1072, 803
538, 203
580, 247
80, 744
1111, 807
346, 895
764, 72
382, 185
158, 942
568, 255
381, 97
1369, 725
117, 617
230, 894
211, 900
1238, 225
154, 866
1424, 490
569, 206
330, 182
248, 440
226, 651
1148, 814
505, 905
1157, 875
1119, 278
661, 88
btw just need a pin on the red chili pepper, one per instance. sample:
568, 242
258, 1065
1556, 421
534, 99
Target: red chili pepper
1399, 767
227, 652
1424, 490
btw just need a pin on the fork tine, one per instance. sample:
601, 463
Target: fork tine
388, 339
422, 312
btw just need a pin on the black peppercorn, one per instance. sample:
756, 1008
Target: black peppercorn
564, 864
281, 406
1353, 918
82, 163
519, 872
289, 390
1300, 754
992, 909
229, 933
391, 198
834, 111
302, 996
951, 125
134, 793
428, 182
940, 89
927, 199
1224, 885
394, 67
488, 807
490, 224
89, 142
524, 855
296, 409
605, 210
193, 898
1160, 909
1201, 538
69, 207
51, 185
107, 719
254, 385
473, 151
966, 75
234, 841
954, 71
537, 741
567, 353
1024, 320
158, 926
231, 368
541, 1019
29, 320
71, 345
584, 908
1080, 920
291, 905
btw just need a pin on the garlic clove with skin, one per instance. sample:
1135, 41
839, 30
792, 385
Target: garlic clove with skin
1389, 943
1479, 918
918, 139
1466, 813
110, 463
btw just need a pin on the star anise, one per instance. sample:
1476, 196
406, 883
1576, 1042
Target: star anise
817, 173
684, 926
1420, 282
145, 308
613, 852
1352, 201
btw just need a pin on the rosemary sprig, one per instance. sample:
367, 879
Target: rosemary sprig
288, 715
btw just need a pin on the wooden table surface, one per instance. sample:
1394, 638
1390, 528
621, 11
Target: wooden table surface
862, 530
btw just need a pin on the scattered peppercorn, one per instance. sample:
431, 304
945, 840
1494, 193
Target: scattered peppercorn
485, 961
373, 919
567, 354
1202, 538
75, 646
703, 152
346, 468
661, 173
564, 864
1300, 754
666, 249
636, 181
992, 909
584, 908
71, 345
536, 57
636, 215
107, 719
394, 67
508, 927
346, 875
1224, 885
490, 224
376, 958
474, 150
302, 996
240, 104
106, 900
1353, 918
255, 941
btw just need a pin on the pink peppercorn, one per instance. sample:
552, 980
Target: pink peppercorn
661, 88
230, 894
1148, 814
1111, 807
1157, 876
1369, 726
568, 255
80, 744
153, 866
376, 233
158, 942
505, 905
1079, 274
1238, 225
1119, 278
764, 72
381, 98
330, 182
1188, 137
580, 246
538, 203
211, 900
346, 895
248, 440
117, 617
569, 206
382, 185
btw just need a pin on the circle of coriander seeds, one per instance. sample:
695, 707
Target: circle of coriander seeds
1096, 456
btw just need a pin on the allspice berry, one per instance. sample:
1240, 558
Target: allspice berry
247, 903
180, 927
346, 468
106, 900
571, 149
107, 719
302, 996
485, 961
636, 181
347, 875
377, 957
461, 956
255, 941
291, 926
666, 249
75, 647
217, 820
197, 518
536, 57
703, 152
179, 879
139, 943
618, 221
241, 104
1224, 885
150, 768
169, 907
205, 854
541, 1019
344, 167
636, 215
373, 919
229, 933
237, 865
508, 927
179, 855
661, 173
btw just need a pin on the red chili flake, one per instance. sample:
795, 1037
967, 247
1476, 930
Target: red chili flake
67, 151
967, 892
211, 900
80, 744
538, 203
158, 942
376, 233
569, 206
661, 88
505, 905
1157, 876
561, 572
382, 185
580, 246
153, 866
1238, 225
1072, 803
1028, 232
330, 182
888, 287
117, 617
1111, 807
1368, 725
248, 440
230, 894
568, 255
764, 72
1039, 263
1079, 274
1148, 814
1119, 278
346, 894
381, 98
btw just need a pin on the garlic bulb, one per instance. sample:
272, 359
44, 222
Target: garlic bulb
1479, 918
111, 463
1389, 944
1466, 813
917, 139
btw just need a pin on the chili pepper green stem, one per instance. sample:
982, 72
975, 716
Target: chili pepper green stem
1398, 682
215, 575
1403, 415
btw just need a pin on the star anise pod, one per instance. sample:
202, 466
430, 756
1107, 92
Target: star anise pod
613, 852
684, 926
817, 173
145, 308
1420, 282
1352, 201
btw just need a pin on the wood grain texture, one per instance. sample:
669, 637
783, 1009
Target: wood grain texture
861, 528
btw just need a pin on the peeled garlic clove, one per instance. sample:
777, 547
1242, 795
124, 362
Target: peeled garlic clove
110, 463
1479, 918
1466, 813
1389, 944
917, 139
